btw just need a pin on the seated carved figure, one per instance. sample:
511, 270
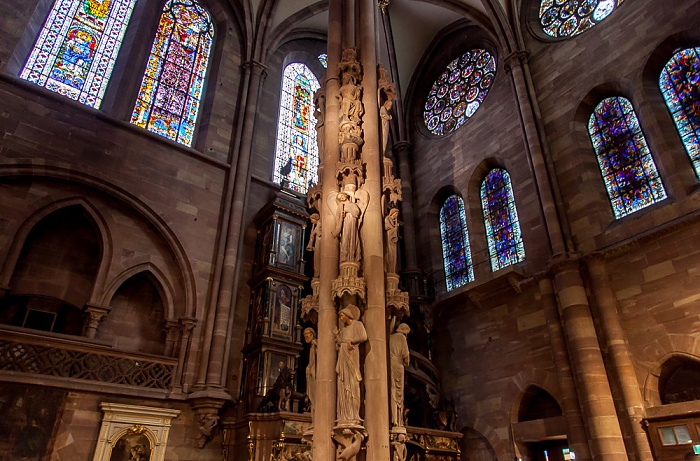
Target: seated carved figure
281, 391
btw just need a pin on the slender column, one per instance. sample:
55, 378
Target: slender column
591, 379
324, 406
211, 361
403, 152
576, 432
536, 158
348, 23
172, 333
620, 358
187, 325
95, 316
375, 379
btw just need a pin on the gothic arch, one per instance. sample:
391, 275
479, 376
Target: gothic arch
527, 379
29, 224
159, 280
657, 353
149, 216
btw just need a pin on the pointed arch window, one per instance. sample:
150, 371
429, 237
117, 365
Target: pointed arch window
456, 253
680, 86
77, 47
628, 169
296, 153
171, 89
566, 18
503, 235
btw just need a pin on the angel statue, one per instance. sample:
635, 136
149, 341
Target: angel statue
349, 208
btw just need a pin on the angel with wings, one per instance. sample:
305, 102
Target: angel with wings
349, 208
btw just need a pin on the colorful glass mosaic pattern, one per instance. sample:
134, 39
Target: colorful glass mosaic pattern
76, 49
459, 91
628, 169
456, 253
680, 85
171, 88
296, 154
566, 18
501, 220
323, 59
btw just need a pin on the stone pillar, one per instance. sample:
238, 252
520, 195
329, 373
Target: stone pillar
576, 432
187, 324
172, 334
375, 376
403, 153
620, 359
95, 316
219, 320
605, 436
323, 448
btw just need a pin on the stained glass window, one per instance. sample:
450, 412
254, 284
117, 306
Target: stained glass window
680, 85
501, 220
171, 88
566, 18
76, 49
296, 154
459, 91
323, 59
628, 169
455, 243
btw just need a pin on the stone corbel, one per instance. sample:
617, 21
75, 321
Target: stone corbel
348, 283
396, 300
349, 441
207, 411
95, 315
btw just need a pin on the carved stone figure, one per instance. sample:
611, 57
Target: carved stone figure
391, 227
398, 442
315, 242
385, 117
348, 366
399, 358
310, 338
350, 103
350, 206
207, 423
281, 390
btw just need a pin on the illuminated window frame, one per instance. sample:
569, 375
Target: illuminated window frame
456, 252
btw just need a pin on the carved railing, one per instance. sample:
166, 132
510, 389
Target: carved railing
28, 352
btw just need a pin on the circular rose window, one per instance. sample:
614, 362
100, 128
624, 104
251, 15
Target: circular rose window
459, 91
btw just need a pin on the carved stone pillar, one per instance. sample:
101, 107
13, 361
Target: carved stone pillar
172, 334
403, 153
620, 358
95, 316
605, 436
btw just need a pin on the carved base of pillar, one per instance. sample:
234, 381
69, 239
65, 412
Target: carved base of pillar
349, 439
348, 283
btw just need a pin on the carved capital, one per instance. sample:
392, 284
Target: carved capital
516, 59
348, 283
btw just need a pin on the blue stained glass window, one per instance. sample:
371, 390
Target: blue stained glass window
296, 154
459, 91
680, 86
171, 89
323, 59
503, 235
76, 49
628, 169
455, 243
566, 18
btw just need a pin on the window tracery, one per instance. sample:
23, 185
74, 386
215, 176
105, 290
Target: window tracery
296, 154
171, 89
459, 91
503, 235
680, 86
76, 49
456, 252
566, 18
628, 169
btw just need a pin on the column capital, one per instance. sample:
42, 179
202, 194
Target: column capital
255, 68
188, 323
402, 146
516, 59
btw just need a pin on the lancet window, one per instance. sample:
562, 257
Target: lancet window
503, 235
296, 153
566, 18
628, 169
459, 91
171, 89
455, 243
680, 86
76, 49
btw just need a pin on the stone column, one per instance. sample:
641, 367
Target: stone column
323, 448
403, 153
172, 333
576, 432
187, 324
620, 358
216, 342
605, 436
95, 316
375, 378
